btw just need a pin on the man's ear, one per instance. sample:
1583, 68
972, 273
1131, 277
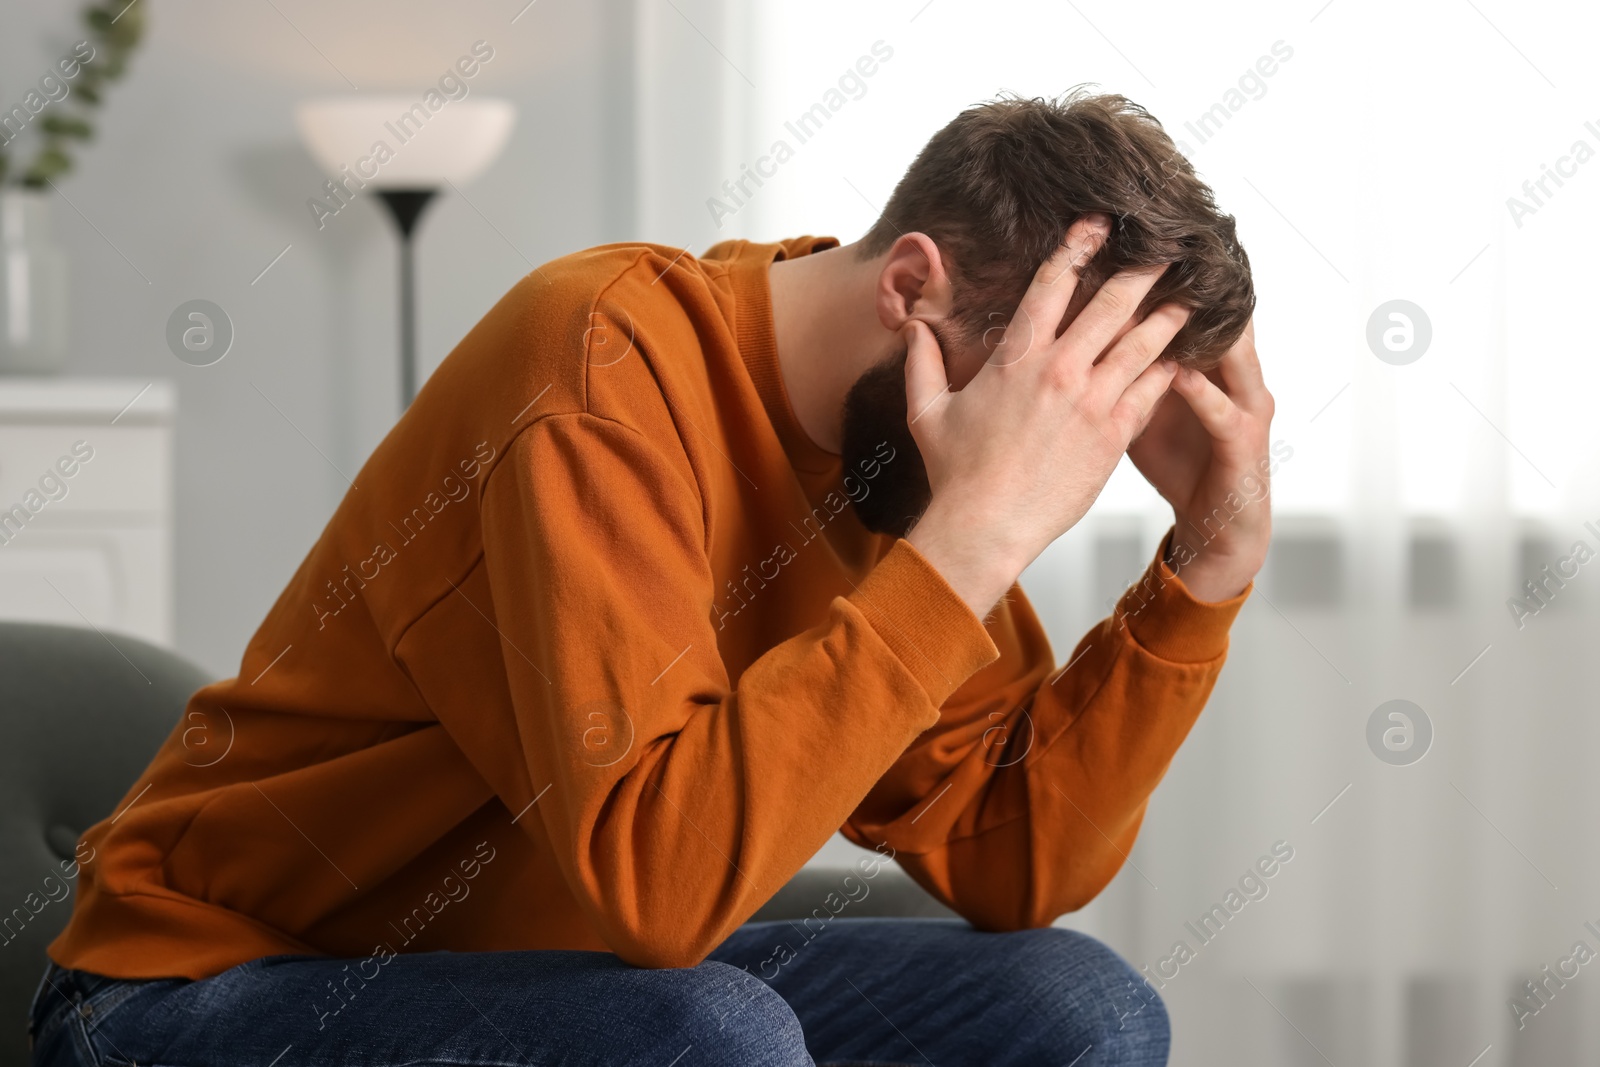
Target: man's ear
913, 283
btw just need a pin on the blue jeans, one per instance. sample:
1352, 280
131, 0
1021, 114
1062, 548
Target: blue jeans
857, 991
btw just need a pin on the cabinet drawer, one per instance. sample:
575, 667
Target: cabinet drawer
114, 579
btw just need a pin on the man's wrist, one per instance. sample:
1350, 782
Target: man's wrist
978, 569
1213, 584
1210, 575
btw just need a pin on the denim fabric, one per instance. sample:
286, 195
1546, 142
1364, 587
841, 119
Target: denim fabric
849, 991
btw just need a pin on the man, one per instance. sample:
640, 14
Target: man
676, 567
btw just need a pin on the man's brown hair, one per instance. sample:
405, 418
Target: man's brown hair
997, 188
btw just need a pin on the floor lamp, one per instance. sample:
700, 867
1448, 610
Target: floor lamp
398, 148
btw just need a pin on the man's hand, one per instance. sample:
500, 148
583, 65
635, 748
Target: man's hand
1205, 451
1016, 457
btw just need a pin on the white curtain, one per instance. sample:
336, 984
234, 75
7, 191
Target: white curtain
1369, 152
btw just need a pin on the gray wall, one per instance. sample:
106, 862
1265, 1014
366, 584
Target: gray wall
199, 179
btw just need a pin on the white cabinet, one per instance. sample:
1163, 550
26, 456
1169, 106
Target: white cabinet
86, 503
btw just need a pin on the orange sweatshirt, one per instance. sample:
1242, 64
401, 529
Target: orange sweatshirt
595, 655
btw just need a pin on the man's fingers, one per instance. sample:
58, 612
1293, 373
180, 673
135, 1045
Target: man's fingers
926, 384
1143, 394
1107, 312
1139, 348
1045, 302
1216, 411
1241, 367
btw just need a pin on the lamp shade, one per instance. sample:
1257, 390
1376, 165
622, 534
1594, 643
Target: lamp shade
398, 142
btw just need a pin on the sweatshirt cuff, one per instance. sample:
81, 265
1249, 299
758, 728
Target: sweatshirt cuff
1167, 621
927, 626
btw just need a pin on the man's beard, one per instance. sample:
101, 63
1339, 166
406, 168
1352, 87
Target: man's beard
875, 422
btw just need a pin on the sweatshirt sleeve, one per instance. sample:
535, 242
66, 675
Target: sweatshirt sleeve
1023, 801
678, 801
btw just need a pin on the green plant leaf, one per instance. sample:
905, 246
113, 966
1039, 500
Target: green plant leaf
49, 163
127, 31
117, 27
66, 126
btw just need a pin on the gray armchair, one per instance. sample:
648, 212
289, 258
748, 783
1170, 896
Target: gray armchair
81, 715
80, 718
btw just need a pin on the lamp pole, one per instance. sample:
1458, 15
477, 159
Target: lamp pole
406, 207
